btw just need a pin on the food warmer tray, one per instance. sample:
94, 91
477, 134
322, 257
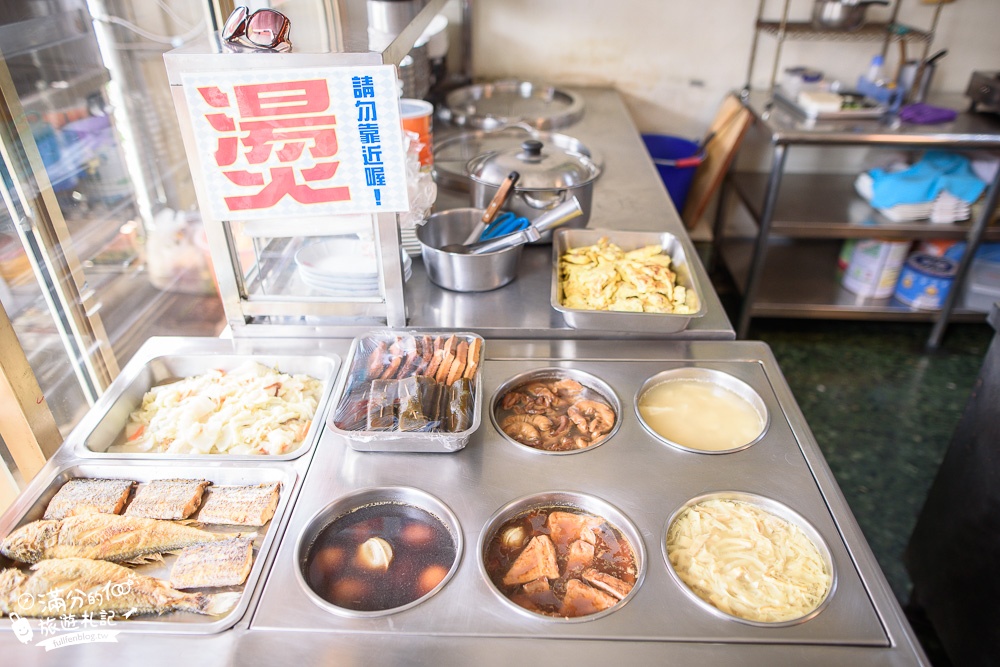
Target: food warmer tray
565, 240
164, 359
31, 506
68, 461
267, 633
644, 478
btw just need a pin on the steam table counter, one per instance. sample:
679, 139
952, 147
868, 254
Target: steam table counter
465, 622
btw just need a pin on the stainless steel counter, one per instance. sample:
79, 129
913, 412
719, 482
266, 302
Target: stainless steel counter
628, 195
465, 623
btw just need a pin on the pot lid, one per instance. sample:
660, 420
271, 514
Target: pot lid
541, 166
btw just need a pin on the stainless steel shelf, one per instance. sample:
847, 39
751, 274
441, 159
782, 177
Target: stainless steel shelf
782, 29
776, 283
869, 32
68, 92
826, 206
800, 280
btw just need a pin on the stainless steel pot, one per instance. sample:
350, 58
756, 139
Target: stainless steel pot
841, 14
462, 272
549, 176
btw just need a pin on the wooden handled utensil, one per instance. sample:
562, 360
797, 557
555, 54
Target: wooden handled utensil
494, 206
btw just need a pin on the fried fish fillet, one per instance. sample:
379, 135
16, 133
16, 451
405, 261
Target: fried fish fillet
240, 505
101, 537
212, 565
78, 496
167, 498
93, 586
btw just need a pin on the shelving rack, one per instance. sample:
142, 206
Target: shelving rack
787, 268
782, 29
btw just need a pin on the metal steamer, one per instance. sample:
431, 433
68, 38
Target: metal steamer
633, 479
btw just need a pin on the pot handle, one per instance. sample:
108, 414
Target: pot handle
873, 2
545, 202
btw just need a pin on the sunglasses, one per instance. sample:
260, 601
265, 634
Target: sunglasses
264, 28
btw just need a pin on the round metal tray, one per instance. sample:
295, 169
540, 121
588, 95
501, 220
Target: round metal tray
723, 381
589, 381
568, 500
769, 506
493, 105
342, 507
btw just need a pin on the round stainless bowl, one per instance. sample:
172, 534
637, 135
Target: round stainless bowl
586, 379
570, 500
458, 272
775, 508
343, 506
724, 380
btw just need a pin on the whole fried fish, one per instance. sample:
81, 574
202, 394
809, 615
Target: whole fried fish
101, 537
93, 586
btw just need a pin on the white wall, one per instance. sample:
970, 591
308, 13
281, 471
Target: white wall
674, 60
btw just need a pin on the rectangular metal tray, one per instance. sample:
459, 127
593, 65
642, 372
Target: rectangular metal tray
646, 479
30, 509
400, 441
151, 367
867, 113
605, 320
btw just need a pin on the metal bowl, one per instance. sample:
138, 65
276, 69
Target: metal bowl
570, 500
719, 378
591, 382
777, 509
458, 272
398, 495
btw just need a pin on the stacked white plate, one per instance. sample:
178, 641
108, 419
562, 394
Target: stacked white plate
344, 266
942, 209
949, 208
408, 239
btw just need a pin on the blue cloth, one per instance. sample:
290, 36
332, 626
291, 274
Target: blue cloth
923, 181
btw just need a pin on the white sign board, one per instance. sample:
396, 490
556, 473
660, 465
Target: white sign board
299, 142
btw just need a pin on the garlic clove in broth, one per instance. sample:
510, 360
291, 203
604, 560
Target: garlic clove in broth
375, 554
514, 537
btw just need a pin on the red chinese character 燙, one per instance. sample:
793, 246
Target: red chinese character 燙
276, 121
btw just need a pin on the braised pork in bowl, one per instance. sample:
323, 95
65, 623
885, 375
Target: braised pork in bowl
562, 556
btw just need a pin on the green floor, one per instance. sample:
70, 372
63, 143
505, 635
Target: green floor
882, 410
881, 407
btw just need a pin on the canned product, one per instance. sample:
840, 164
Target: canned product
874, 266
925, 280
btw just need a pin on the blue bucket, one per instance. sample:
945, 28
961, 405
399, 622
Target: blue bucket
677, 160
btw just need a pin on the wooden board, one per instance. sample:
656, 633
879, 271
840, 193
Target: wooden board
729, 126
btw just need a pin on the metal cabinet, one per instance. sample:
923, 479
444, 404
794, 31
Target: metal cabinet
99, 243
